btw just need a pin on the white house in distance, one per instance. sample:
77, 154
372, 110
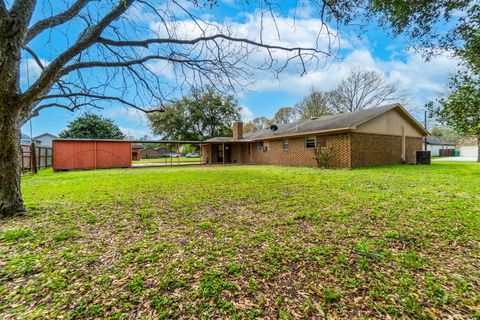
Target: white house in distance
468, 147
45, 139
434, 145
26, 140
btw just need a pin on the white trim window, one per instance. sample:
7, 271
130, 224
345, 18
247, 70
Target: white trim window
285, 144
310, 142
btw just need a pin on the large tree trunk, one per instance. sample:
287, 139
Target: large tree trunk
11, 202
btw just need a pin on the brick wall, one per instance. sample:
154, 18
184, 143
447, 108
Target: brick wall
412, 145
351, 150
374, 150
298, 155
206, 153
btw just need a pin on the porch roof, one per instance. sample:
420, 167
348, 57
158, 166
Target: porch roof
226, 139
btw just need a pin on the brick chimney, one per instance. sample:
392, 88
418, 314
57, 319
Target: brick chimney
237, 130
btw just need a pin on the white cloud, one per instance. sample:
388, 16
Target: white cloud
30, 70
422, 81
136, 133
127, 114
304, 32
246, 114
229, 2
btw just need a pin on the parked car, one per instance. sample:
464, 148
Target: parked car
172, 155
192, 155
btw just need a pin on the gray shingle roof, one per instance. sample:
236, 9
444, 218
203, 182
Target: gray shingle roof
334, 122
437, 141
225, 139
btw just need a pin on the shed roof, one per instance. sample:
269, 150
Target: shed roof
331, 123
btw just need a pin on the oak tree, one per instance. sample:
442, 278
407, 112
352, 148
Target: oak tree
202, 115
92, 126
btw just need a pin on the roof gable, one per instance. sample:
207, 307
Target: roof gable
336, 122
45, 134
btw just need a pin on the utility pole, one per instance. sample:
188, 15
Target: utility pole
425, 125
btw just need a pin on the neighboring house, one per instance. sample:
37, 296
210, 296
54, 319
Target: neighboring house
45, 139
377, 136
468, 147
26, 140
154, 153
434, 145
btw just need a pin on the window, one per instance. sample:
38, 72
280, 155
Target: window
285, 144
310, 142
260, 146
322, 142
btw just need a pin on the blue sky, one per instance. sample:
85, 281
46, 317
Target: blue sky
374, 49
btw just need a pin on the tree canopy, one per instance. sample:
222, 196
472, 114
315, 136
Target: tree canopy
92, 126
460, 109
257, 124
446, 134
284, 115
315, 104
203, 114
429, 25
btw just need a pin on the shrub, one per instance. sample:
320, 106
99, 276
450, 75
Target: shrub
322, 156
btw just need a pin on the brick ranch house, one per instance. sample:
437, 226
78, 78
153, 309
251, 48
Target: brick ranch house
376, 136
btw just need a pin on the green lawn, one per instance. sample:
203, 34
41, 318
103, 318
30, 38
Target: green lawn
245, 242
162, 160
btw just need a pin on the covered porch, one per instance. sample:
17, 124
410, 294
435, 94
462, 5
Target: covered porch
227, 152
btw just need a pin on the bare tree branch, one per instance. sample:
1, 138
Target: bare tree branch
50, 73
362, 90
146, 43
35, 57
97, 96
56, 20
37, 109
93, 64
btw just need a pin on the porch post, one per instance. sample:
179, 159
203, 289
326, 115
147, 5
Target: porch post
251, 151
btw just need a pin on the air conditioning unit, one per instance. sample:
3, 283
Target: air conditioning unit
423, 157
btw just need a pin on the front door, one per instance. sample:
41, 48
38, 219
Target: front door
219, 152
224, 153
228, 153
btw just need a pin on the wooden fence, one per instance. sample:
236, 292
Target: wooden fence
34, 157
447, 152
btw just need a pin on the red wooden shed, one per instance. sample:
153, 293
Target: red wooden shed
74, 154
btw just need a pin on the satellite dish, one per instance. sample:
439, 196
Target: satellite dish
274, 127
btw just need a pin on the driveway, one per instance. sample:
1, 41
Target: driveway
455, 159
